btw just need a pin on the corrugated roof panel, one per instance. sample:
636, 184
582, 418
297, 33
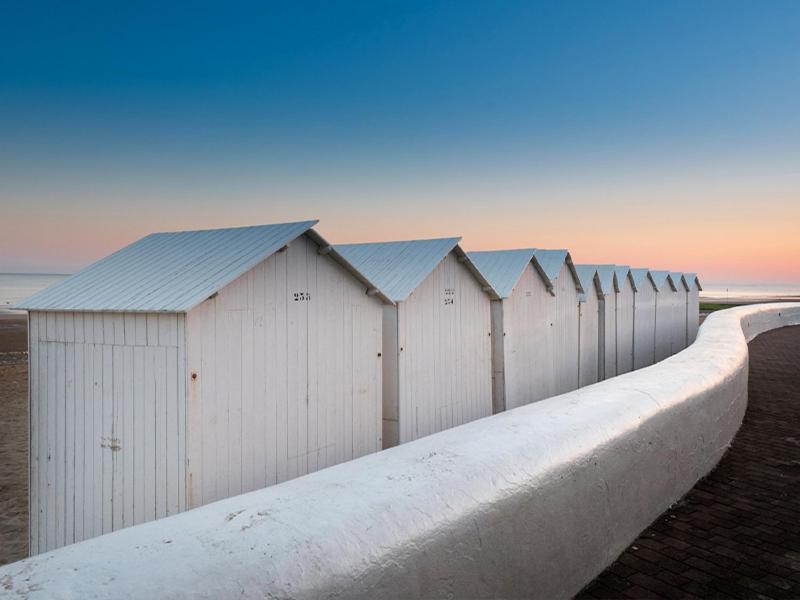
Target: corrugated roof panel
693, 280
640, 276
502, 268
659, 277
606, 276
550, 261
397, 268
586, 275
679, 281
167, 272
621, 271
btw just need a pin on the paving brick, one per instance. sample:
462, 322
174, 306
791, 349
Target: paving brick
737, 533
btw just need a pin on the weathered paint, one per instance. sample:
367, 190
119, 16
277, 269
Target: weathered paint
589, 343
539, 499
523, 351
644, 321
666, 299
106, 427
284, 375
444, 370
624, 320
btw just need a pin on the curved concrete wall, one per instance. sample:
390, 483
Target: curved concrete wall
532, 502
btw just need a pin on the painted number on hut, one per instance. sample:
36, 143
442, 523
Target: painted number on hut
449, 296
301, 296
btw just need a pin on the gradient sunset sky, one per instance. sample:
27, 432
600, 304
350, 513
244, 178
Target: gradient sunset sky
660, 134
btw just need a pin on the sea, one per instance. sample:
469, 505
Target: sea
15, 287
18, 286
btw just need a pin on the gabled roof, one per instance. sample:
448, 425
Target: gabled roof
502, 268
586, 275
398, 268
693, 279
640, 276
621, 272
660, 276
550, 263
171, 272
607, 281
679, 281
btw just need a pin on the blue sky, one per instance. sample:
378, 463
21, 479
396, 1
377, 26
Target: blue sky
466, 115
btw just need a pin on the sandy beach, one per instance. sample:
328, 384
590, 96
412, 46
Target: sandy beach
13, 438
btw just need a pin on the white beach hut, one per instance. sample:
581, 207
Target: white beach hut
526, 349
644, 318
666, 298
589, 325
607, 320
693, 306
437, 343
680, 332
624, 319
192, 366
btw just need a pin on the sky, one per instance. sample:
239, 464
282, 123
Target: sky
657, 134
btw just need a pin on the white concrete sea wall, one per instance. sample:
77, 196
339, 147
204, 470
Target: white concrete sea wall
534, 501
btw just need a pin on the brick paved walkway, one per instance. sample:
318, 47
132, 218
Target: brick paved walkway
737, 533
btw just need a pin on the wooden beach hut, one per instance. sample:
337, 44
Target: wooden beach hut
644, 318
535, 327
666, 298
624, 319
680, 332
437, 336
589, 325
193, 366
693, 306
607, 321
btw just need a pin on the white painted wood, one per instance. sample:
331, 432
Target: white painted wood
589, 342
33, 433
665, 321
610, 337
565, 332
444, 366
644, 323
624, 325
88, 402
288, 375
692, 312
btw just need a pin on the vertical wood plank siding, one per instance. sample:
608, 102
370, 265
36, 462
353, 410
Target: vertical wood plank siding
97, 415
283, 376
644, 324
444, 365
624, 324
589, 337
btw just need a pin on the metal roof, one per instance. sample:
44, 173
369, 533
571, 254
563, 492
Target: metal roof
692, 278
659, 277
586, 274
551, 261
606, 275
640, 276
621, 272
398, 268
679, 280
171, 272
502, 268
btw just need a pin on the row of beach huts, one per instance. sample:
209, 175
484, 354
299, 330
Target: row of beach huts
194, 366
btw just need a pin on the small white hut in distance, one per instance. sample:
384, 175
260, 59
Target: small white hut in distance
680, 333
693, 306
666, 297
193, 366
624, 319
534, 323
607, 320
644, 318
589, 357
436, 341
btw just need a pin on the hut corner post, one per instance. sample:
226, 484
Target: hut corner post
498, 358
